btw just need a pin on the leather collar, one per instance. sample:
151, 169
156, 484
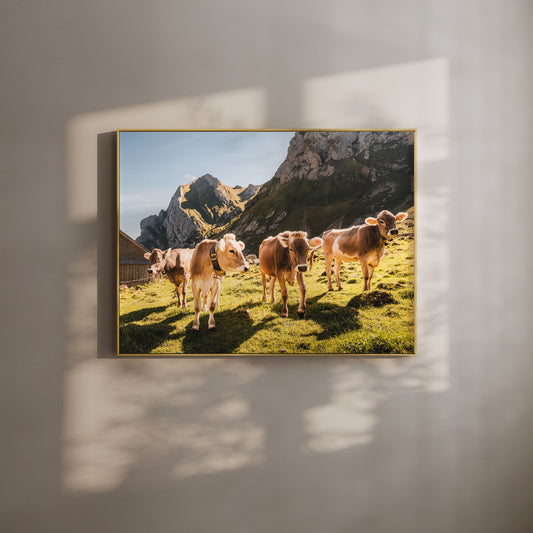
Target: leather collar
214, 261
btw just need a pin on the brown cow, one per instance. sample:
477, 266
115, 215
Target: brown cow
210, 262
176, 264
365, 243
285, 257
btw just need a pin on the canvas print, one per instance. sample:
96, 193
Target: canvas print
266, 242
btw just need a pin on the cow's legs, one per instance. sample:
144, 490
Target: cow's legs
301, 283
215, 289
368, 271
264, 284
197, 295
338, 264
178, 295
217, 295
284, 297
184, 292
328, 259
272, 286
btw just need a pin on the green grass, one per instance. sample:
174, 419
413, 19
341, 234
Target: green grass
344, 322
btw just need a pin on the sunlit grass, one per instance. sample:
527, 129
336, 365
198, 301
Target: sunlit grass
340, 322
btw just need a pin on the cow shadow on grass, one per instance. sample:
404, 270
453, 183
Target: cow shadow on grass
142, 339
233, 328
140, 314
333, 318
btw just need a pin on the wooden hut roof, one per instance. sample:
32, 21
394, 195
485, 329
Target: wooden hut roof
131, 251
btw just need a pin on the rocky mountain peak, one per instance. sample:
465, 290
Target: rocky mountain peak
209, 179
195, 208
248, 192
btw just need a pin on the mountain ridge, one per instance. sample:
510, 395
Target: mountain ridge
327, 179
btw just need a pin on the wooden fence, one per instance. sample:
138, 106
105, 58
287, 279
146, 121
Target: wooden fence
134, 274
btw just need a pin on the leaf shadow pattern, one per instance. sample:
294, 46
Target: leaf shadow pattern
333, 318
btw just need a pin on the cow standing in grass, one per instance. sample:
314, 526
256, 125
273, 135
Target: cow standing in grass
365, 243
210, 262
284, 258
176, 264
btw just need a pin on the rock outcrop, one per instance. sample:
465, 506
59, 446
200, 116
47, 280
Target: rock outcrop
248, 192
312, 154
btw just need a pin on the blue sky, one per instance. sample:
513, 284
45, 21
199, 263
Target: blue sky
154, 164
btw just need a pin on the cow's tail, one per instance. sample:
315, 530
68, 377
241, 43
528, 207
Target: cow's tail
311, 255
311, 260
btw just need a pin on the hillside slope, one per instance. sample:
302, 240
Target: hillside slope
331, 179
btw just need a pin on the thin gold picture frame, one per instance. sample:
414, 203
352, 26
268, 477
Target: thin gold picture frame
269, 354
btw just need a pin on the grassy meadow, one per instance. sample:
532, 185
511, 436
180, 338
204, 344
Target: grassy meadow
381, 321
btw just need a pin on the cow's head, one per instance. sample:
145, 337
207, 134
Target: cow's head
386, 223
229, 254
298, 246
157, 260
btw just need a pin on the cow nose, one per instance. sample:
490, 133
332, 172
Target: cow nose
246, 267
302, 268
393, 231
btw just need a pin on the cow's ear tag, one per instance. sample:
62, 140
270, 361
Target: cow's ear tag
371, 220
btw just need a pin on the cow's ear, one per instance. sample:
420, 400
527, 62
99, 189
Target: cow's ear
241, 244
284, 241
401, 216
284, 235
166, 252
315, 242
147, 255
371, 221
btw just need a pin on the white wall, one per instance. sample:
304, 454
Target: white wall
440, 442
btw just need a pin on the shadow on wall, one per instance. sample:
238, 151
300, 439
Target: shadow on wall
129, 422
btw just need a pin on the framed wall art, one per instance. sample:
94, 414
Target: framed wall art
266, 242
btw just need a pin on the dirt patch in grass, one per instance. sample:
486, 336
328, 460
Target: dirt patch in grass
386, 286
377, 298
